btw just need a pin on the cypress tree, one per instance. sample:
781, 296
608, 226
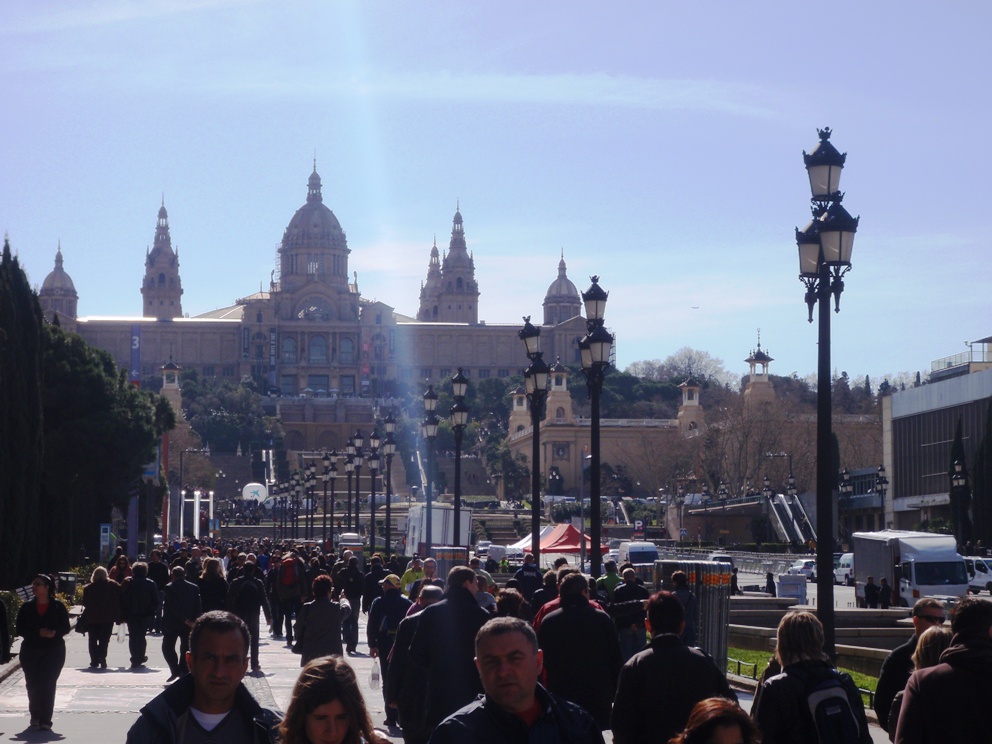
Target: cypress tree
21, 441
982, 483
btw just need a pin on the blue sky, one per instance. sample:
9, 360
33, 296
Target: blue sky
659, 145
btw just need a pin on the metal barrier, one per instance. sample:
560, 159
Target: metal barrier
710, 582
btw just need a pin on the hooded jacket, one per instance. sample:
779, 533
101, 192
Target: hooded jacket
159, 722
950, 701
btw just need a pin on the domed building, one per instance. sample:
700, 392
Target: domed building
323, 353
58, 295
562, 301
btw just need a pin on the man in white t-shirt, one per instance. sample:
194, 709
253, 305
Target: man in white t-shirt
210, 703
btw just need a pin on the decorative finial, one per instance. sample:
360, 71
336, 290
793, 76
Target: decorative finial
759, 338
824, 134
315, 160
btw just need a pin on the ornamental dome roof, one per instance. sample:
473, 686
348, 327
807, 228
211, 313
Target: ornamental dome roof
562, 287
58, 281
314, 225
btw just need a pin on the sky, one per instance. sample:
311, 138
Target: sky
655, 144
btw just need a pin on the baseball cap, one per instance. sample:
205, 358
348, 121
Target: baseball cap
392, 579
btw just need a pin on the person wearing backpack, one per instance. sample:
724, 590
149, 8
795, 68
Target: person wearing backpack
810, 702
246, 598
291, 588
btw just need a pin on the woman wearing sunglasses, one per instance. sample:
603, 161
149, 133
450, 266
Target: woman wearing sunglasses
42, 624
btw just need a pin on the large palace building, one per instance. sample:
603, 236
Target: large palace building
312, 341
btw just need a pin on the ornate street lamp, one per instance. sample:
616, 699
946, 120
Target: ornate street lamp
881, 486
595, 348
825, 247
959, 501
373, 472
536, 379
459, 420
349, 469
428, 429
791, 489
358, 459
330, 474
389, 449
311, 485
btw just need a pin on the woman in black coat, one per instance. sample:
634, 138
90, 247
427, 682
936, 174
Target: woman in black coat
213, 586
42, 624
101, 609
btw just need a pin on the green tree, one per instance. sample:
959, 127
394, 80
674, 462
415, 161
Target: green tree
21, 440
99, 432
982, 481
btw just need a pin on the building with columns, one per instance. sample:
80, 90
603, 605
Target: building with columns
310, 340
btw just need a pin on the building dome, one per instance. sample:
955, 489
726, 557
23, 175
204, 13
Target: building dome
562, 287
314, 225
58, 282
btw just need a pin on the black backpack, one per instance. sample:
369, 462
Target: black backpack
834, 722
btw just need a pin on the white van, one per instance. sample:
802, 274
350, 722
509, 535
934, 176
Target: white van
637, 552
979, 573
844, 571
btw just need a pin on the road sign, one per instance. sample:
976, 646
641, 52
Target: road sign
683, 532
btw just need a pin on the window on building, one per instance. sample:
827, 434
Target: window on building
406, 373
227, 371
318, 383
484, 374
347, 384
346, 353
289, 351
502, 373
287, 385
445, 372
560, 415
208, 371
318, 350
425, 373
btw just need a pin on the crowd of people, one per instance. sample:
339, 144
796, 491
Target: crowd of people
549, 656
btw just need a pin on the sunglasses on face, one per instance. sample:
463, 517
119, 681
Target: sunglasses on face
935, 619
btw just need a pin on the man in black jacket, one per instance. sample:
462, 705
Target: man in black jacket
139, 604
404, 684
898, 665
182, 607
351, 582
373, 590
444, 646
211, 703
514, 708
385, 616
581, 652
659, 686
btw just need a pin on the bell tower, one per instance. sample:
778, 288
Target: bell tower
162, 289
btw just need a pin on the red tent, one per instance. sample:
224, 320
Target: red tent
564, 538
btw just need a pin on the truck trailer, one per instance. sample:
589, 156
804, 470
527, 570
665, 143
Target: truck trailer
916, 564
442, 527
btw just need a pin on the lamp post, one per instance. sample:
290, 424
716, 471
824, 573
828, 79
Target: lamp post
297, 502
679, 503
959, 498
881, 488
329, 474
825, 247
595, 348
311, 485
536, 378
459, 420
349, 468
358, 459
389, 449
429, 430
373, 472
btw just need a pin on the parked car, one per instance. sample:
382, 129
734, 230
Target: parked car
979, 573
844, 571
483, 547
805, 567
721, 558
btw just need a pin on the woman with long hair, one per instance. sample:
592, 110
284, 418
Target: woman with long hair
42, 623
101, 609
121, 569
213, 586
930, 645
718, 721
327, 707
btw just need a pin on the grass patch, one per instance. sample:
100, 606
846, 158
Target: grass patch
760, 660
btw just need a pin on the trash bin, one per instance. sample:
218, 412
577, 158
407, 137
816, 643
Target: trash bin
67, 583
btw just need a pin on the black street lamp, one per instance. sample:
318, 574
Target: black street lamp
459, 420
359, 439
311, 486
389, 449
373, 472
595, 348
825, 247
881, 488
330, 474
349, 469
536, 379
429, 431
297, 502
959, 501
